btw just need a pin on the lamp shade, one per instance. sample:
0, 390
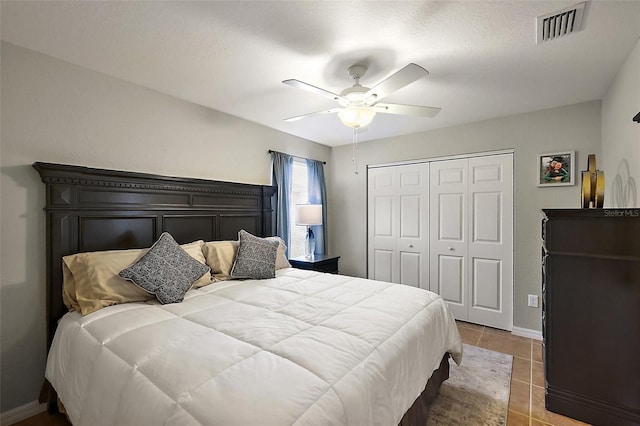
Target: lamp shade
356, 117
309, 214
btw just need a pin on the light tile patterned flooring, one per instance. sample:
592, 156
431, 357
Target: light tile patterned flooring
526, 401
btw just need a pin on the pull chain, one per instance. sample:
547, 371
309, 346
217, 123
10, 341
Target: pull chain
355, 150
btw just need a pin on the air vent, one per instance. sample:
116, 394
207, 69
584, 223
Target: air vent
560, 23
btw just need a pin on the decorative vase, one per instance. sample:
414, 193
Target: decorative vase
592, 185
309, 243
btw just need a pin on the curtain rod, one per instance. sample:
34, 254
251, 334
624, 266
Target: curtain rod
295, 156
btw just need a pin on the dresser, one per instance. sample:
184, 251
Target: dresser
319, 262
591, 314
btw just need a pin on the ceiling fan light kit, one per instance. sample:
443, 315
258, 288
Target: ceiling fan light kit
356, 117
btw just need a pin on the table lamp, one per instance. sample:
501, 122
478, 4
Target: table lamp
309, 215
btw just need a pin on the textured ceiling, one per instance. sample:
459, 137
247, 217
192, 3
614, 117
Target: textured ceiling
232, 56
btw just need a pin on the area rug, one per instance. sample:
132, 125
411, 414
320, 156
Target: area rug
477, 392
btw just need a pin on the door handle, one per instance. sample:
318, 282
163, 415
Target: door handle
451, 249
410, 245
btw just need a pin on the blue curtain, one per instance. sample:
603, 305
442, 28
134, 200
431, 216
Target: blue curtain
318, 195
282, 172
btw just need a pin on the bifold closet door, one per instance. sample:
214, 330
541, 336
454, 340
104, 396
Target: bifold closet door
398, 224
491, 241
449, 249
471, 229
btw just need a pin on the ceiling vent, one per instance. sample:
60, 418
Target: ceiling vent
560, 23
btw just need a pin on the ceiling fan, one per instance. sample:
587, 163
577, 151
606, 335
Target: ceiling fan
359, 104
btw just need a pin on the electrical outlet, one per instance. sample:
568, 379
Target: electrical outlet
533, 301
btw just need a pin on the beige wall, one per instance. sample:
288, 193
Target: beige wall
621, 136
57, 112
575, 127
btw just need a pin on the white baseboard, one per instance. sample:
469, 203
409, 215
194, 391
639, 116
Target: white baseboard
20, 413
525, 332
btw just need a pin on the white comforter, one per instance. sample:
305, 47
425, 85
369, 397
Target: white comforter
302, 348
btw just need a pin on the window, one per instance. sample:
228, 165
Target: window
299, 181
300, 195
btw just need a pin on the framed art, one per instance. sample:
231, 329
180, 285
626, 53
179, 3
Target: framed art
556, 168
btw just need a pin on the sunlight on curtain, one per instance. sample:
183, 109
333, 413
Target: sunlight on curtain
318, 195
299, 195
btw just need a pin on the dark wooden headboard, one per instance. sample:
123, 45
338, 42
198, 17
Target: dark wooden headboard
93, 209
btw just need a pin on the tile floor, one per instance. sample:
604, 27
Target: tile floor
526, 402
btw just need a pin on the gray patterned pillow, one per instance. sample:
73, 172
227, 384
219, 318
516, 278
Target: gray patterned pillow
166, 270
256, 257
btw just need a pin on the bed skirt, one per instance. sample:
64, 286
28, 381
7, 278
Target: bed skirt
417, 414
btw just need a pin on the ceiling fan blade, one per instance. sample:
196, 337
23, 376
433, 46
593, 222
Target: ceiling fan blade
421, 111
326, 111
397, 81
313, 89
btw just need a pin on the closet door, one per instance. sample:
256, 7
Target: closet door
471, 247
491, 240
413, 222
449, 249
382, 229
399, 224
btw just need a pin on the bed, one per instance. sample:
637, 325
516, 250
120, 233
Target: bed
300, 348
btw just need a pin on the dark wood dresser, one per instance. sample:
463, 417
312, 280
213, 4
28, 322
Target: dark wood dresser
591, 314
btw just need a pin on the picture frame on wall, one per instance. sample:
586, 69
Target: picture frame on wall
556, 169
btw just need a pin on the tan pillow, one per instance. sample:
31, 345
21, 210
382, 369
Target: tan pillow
69, 285
281, 257
195, 250
97, 283
220, 256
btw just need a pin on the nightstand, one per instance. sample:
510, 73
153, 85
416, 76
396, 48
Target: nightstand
320, 263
